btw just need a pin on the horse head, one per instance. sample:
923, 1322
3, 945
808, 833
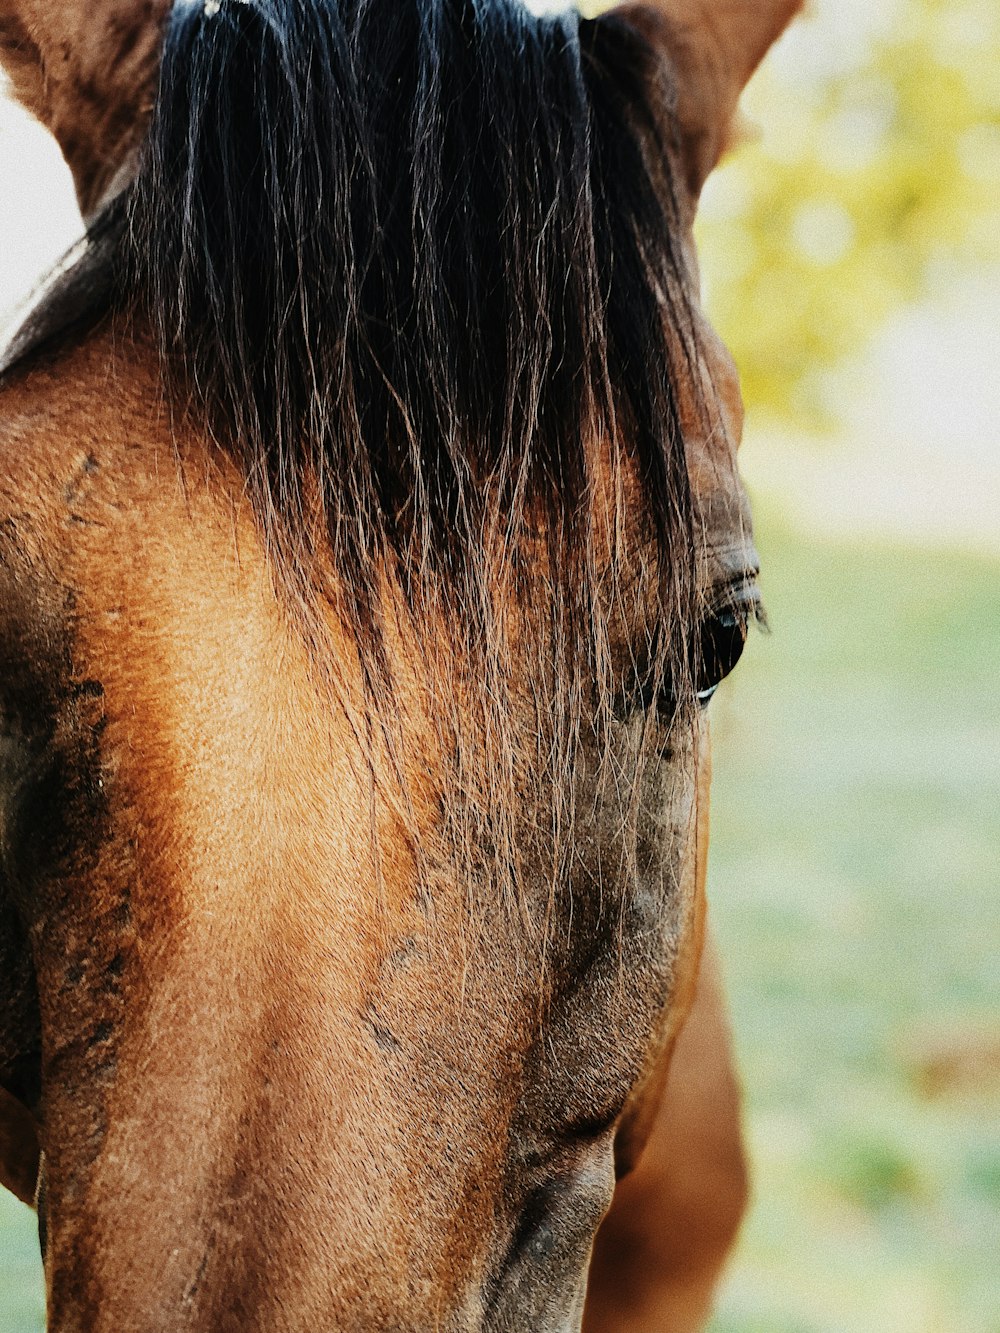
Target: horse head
367, 559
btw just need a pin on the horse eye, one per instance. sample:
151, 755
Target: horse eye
718, 648
712, 654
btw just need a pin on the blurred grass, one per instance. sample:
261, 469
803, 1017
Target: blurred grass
854, 876
22, 1304
855, 860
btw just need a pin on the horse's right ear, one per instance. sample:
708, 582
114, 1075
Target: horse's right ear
19, 1155
713, 47
87, 69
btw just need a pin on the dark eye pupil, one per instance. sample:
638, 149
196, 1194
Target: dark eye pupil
717, 650
712, 653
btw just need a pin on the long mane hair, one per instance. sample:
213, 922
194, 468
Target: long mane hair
416, 262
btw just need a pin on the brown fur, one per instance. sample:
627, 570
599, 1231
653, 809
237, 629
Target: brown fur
289, 1078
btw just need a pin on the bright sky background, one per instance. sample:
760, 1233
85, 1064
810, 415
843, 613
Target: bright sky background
38, 214
919, 452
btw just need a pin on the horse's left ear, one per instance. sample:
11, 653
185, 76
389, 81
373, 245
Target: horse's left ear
87, 69
713, 47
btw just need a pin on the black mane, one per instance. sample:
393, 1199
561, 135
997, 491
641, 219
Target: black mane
417, 260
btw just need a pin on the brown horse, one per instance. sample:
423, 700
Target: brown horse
370, 543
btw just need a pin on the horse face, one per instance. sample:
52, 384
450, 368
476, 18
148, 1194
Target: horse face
279, 1082
283, 1071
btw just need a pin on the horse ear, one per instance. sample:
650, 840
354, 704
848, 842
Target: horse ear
19, 1155
713, 47
87, 69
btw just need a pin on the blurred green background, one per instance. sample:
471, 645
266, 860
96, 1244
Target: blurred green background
852, 261
853, 874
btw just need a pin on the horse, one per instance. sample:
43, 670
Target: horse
371, 544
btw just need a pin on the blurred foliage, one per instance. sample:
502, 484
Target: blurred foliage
879, 164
